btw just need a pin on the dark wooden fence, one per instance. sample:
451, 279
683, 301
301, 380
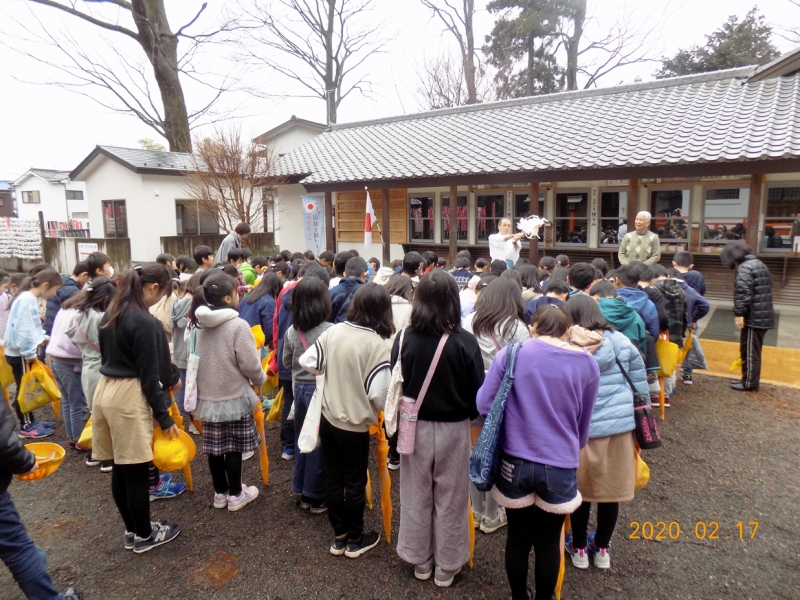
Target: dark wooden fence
262, 244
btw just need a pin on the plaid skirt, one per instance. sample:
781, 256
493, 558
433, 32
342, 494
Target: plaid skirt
231, 436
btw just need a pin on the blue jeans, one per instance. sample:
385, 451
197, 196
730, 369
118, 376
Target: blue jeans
74, 408
181, 392
523, 483
24, 559
309, 469
287, 426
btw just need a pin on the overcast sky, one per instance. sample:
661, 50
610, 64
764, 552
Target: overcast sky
49, 127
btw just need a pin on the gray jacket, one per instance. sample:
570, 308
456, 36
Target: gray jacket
230, 242
84, 334
179, 318
293, 350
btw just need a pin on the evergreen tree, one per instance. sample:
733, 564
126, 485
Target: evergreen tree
521, 47
735, 44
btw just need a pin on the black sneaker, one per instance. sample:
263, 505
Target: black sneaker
394, 463
339, 546
129, 540
106, 466
162, 533
367, 541
91, 462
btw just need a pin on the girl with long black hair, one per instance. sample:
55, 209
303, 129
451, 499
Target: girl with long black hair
136, 373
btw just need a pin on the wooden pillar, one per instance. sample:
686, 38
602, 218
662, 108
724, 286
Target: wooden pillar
633, 204
386, 226
533, 244
751, 237
453, 223
330, 242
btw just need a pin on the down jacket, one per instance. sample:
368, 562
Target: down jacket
14, 457
613, 409
752, 297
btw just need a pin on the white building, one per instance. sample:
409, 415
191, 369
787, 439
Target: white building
55, 195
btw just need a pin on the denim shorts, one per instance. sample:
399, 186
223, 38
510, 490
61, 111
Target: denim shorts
522, 483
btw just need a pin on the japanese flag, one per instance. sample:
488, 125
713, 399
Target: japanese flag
369, 220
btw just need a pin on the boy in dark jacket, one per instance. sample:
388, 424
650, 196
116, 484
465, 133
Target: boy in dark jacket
24, 559
355, 274
72, 285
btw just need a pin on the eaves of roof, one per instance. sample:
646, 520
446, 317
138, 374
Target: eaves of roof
111, 155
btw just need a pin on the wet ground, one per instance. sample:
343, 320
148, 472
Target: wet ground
728, 458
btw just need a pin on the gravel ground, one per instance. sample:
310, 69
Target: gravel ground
727, 458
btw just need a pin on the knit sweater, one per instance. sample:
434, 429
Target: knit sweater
137, 347
644, 247
229, 362
355, 363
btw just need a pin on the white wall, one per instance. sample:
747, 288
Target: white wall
291, 139
289, 218
154, 215
52, 200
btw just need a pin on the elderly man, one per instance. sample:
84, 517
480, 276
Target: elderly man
505, 245
642, 245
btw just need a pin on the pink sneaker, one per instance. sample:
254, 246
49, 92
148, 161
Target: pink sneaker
249, 493
220, 500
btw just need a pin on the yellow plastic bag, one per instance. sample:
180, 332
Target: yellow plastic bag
642, 472
274, 415
737, 364
667, 356
687, 345
38, 388
258, 333
6, 374
85, 439
272, 378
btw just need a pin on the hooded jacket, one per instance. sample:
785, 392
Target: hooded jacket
674, 304
85, 335
644, 306
697, 307
342, 296
613, 409
68, 287
625, 319
224, 391
260, 312
752, 297
383, 275
248, 273
24, 333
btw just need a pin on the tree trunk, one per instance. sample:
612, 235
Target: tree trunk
469, 52
531, 60
331, 100
161, 46
573, 42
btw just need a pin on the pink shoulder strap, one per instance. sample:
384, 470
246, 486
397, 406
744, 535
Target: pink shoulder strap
424, 389
302, 337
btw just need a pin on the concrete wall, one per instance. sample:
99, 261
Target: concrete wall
262, 244
53, 200
289, 218
62, 253
291, 139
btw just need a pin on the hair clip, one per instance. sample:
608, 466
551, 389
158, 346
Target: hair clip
138, 269
89, 288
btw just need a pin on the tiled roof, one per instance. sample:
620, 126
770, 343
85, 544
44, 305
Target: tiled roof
5, 186
50, 174
139, 161
711, 117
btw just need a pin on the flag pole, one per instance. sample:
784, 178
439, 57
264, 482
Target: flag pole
377, 223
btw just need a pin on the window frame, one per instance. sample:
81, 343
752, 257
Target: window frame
556, 218
198, 218
496, 220
769, 186
600, 218
432, 219
719, 186
28, 194
669, 187
73, 192
114, 204
445, 196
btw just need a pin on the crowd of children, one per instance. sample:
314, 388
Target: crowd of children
118, 346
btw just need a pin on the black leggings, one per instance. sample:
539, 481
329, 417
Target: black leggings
17, 367
130, 487
532, 527
226, 473
607, 513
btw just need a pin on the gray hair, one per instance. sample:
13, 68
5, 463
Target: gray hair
646, 215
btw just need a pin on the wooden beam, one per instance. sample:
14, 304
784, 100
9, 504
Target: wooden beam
453, 224
330, 240
632, 208
533, 245
386, 227
706, 169
751, 237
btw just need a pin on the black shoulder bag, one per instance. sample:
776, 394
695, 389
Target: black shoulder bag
647, 434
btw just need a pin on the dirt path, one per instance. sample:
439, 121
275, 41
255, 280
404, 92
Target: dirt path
728, 458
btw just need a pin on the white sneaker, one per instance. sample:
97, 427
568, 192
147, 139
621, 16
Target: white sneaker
476, 519
220, 500
580, 556
192, 429
602, 558
249, 493
492, 525
248, 455
444, 578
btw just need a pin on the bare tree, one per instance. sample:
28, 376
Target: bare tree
125, 80
442, 84
458, 21
325, 42
231, 180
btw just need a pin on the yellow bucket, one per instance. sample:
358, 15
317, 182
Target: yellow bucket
48, 455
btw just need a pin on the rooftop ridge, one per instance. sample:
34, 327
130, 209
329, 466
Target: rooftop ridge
738, 72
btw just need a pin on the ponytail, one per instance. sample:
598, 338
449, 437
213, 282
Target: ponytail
130, 295
50, 276
214, 287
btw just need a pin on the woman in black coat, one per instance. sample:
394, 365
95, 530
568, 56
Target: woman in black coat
752, 307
